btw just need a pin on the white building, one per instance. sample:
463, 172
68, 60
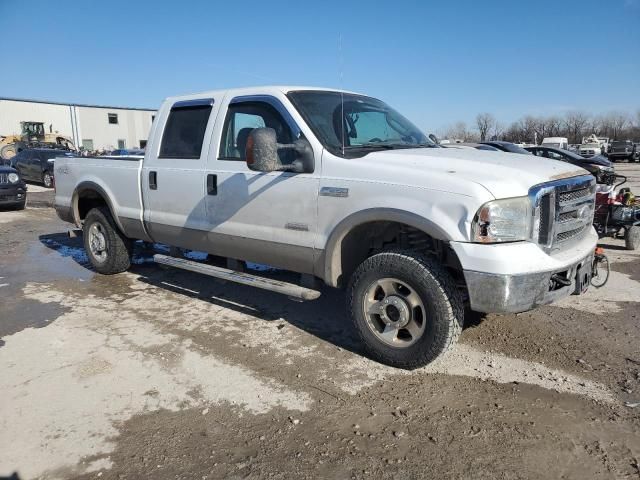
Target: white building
90, 126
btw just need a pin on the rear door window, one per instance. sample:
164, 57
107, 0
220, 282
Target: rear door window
184, 131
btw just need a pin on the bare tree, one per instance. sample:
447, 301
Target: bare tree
485, 122
498, 131
619, 120
597, 126
458, 131
554, 124
541, 127
575, 123
528, 127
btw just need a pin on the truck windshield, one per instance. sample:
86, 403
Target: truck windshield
352, 125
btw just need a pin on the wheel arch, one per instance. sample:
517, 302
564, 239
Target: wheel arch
88, 195
332, 265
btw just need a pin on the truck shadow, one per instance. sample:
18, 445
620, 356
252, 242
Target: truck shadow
325, 318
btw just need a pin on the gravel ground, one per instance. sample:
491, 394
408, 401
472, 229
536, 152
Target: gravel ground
166, 374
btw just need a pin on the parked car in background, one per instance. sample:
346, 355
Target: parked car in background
556, 142
599, 166
123, 152
592, 146
588, 150
120, 152
477, 146
36, 164
621, 150
13, 190
506, 147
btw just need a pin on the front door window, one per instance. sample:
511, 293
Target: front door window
241, 119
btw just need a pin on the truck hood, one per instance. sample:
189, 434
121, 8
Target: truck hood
503, 174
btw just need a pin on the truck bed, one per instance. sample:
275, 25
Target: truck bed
117, 177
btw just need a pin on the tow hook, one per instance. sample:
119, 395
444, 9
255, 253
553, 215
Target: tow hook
583, 279
561, 280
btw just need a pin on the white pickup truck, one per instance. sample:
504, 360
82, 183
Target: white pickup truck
340, 187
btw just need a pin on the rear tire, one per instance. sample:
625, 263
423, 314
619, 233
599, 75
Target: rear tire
413, 286
632, 238
109, 251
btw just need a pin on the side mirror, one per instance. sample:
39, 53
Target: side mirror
262, 153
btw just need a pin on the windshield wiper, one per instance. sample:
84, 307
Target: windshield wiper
388, 146
368, 146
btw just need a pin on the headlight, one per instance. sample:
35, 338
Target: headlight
507, 220
13, 178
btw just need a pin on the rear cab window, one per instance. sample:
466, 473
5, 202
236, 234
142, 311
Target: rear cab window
185, 128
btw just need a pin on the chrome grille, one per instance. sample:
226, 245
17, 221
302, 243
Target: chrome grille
563, 236
4, 178
567, 216
563, 210
574, 194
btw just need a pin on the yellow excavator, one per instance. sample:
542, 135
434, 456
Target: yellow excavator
33, 136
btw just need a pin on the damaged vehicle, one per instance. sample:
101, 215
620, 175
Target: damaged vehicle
344, 190
600, 167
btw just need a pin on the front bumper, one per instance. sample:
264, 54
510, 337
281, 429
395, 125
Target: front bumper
13, 195
516, 277
493, 293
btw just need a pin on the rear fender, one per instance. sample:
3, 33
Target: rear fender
94, 187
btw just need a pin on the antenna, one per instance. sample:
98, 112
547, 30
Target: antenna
341, 78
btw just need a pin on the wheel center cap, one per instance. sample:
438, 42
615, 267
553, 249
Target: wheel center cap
395, 311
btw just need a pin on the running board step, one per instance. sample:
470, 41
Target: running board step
289, 289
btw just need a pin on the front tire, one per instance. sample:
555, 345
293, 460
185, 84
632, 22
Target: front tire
406, 308
109, 251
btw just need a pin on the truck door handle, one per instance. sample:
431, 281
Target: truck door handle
212, 184
153, 180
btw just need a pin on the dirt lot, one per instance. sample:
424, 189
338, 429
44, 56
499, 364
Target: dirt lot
164, 374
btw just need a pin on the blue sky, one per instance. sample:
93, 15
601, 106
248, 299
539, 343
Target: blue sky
435, 61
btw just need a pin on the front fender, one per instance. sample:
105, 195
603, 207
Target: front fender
329, 264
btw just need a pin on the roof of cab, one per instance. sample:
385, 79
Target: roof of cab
258, 90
